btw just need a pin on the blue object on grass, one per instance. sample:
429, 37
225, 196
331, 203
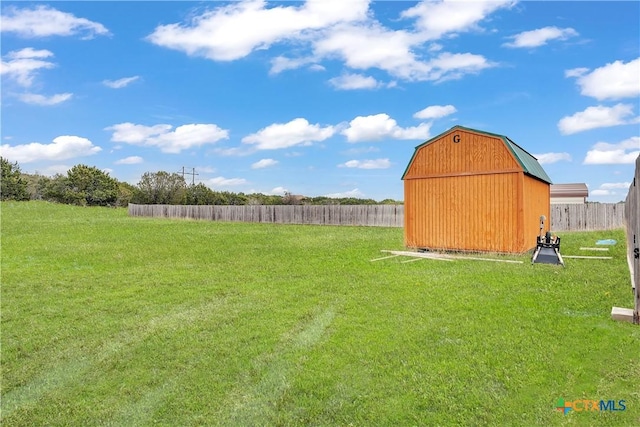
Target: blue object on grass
606, 242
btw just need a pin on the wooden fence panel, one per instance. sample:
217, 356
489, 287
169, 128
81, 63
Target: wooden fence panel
567, 217
355, 215
632, 223
587, 217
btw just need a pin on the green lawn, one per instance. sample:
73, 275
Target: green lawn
111, 320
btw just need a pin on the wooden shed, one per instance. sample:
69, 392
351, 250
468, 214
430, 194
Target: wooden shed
471, 190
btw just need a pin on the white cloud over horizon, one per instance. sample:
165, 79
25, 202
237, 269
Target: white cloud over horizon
616, 80
549, 158
624, 152
167, 140
367, 164
62, 148
221, 181
356, 193
285, 135
597, 117
610, 189
380, 126
131, 160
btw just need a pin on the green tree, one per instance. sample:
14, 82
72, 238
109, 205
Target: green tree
12, 185
126, 192
160, 188
55, 189
88, 185
35, 185
200, 194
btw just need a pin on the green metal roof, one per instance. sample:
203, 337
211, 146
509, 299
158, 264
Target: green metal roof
529, 164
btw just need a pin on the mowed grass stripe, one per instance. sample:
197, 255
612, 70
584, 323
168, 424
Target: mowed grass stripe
111, 320
60, 375
254, 403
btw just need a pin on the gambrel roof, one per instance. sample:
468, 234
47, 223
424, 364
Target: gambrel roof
529, 164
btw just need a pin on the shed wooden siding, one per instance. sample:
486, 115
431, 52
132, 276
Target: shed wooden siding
536, 199
472, 195
474, 154
459, 214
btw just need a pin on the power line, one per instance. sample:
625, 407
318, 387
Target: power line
192, 173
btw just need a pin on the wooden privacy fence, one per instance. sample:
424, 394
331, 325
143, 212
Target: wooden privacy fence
590, 216
366, 215
632, 225
587, 216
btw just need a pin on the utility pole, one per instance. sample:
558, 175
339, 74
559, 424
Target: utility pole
192, 173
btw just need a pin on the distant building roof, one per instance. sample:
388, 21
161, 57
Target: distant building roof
569, 190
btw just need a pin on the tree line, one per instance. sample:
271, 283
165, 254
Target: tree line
89, 186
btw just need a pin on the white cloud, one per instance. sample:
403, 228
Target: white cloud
221, 181
540, 37
205, 169
625, 152
132, 160
54, 170
326, 30
379, 126
317, 67
616, 80
280, 191
548, 158
235, 30
37, 99
609, 189
284, 135
264, 163
354, 81
45, 21
282, 63
452, 66
63, 147
120, 83
435, 112
362, 150
367, 164
352, 193
615, 186
597, 117
576, 72
374, 46
22, 65
438, 18
235, 151
182, 138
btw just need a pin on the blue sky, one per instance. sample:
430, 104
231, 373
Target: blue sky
319, 97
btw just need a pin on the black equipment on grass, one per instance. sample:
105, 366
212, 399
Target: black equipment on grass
547, 248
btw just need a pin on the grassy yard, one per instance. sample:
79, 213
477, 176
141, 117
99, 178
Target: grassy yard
111, 320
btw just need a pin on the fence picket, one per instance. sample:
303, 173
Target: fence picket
564, 217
